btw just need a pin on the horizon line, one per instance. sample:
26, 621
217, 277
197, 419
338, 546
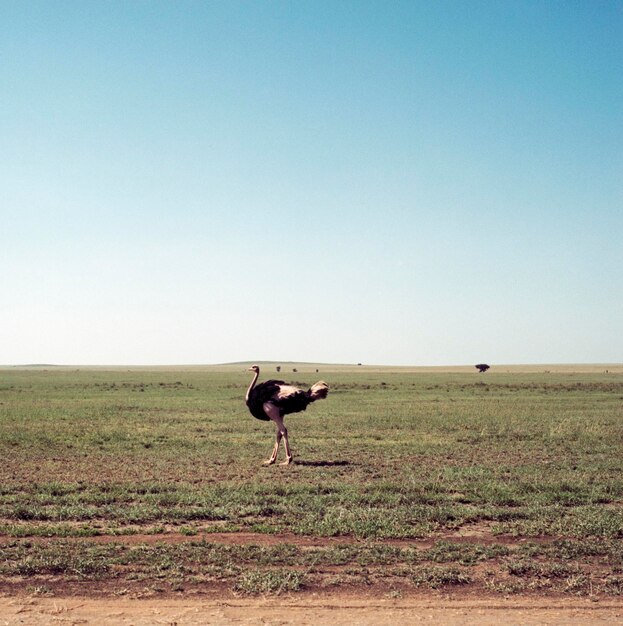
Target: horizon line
309, 363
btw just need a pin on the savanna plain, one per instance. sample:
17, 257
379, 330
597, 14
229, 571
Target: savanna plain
408, 485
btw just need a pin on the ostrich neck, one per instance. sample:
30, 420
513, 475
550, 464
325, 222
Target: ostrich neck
251, 386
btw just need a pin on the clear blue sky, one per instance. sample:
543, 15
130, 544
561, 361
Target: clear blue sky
410, 182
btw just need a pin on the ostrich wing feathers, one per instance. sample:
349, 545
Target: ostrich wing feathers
264, 392
287, 398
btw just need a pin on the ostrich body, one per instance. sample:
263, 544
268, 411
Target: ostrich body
273, 399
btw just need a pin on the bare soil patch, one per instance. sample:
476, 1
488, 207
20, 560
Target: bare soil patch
336, 610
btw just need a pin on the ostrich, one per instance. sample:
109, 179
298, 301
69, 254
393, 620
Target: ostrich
274, 399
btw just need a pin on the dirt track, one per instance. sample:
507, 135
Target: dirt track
334, 610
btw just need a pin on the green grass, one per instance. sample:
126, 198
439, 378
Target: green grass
389, 454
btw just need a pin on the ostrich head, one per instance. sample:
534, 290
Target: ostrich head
254, 368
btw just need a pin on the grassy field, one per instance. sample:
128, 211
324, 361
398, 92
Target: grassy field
150, 481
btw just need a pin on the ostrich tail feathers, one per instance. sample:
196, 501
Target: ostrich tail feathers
318, 391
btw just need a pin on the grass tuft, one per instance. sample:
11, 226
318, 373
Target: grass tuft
273, 582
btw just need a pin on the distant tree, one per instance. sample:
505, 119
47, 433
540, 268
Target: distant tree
294, 369
482, 367
278, 368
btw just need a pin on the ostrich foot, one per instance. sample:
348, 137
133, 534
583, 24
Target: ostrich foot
287, 461
268, 462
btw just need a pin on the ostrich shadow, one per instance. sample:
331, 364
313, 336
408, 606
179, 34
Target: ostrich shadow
322, 463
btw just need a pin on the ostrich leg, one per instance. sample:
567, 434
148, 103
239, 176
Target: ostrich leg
273, 456
282, 432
